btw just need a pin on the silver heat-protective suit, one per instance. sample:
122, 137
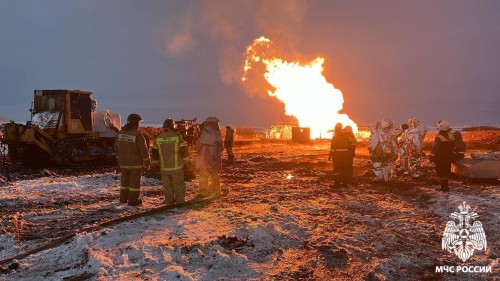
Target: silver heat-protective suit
383, 148
209, 146
413, 147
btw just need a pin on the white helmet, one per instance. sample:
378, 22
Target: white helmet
443, 125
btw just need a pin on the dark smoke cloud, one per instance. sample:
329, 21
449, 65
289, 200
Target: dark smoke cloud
232, 25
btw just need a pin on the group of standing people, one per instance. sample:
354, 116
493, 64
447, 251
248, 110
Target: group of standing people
387, 144
342, 151
132, 153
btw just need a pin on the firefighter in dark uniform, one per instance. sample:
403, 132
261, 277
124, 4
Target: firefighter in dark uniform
228, 144
171, 150
340, 156
442, 153
352, 151
459, 148
132, 155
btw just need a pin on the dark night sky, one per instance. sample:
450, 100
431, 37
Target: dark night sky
397, 59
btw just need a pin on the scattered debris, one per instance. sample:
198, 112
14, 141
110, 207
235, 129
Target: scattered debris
492, 155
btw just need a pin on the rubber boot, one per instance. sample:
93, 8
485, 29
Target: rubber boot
179, 187
133, 198
444, 185
337, 181
123, 195
169, 195
180, 194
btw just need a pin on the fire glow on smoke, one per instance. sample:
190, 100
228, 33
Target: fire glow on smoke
301, 87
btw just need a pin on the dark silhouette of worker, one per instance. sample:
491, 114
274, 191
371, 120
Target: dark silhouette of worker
228, 144
340, 155
403, 156
352, 152
442, 153
459, 148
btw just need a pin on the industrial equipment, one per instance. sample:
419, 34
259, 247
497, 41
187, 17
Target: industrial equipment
64, 129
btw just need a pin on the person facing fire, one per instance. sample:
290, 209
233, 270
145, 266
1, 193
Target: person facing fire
132, 155
340, 155
352, 152
403, 158
413, 146
383, 149
228, 144
209, 147
442, 153
171, 150
459, 148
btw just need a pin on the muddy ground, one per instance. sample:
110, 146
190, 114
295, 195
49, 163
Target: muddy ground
372, 231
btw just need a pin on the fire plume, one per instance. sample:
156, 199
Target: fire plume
303, 89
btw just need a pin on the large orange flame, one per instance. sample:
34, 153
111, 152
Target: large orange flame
301, 87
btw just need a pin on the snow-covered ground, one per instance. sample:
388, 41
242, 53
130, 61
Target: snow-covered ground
180, 244
280, 221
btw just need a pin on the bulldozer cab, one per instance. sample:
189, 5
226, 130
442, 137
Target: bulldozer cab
62, 130
66, 111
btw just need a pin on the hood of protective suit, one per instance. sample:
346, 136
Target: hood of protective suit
383, 144
385, 124
413, 122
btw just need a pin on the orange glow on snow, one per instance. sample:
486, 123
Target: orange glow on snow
302, 88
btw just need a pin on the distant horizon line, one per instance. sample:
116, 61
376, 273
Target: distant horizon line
461, 126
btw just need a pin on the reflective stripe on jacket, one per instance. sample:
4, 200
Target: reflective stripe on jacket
339, 149
442, 148
169, 144
340, 143
131, 149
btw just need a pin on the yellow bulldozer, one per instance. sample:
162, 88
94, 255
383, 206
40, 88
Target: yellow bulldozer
65, 128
